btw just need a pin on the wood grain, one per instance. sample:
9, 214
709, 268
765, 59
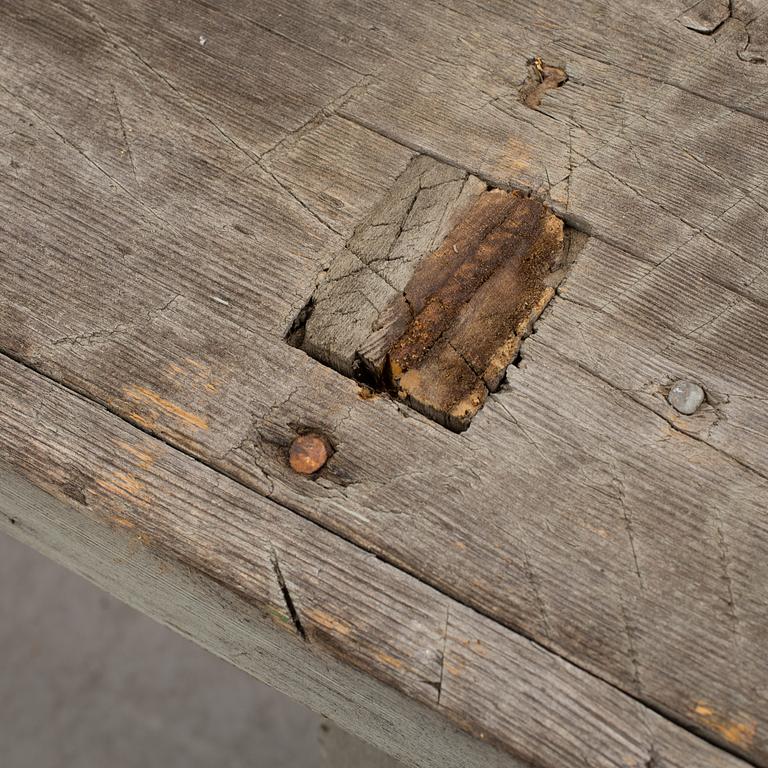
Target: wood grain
168, 208
67, 462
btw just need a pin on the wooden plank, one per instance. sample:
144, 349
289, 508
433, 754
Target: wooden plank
193, 547
600, 529
201, 609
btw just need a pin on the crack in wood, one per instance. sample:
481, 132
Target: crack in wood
289, 604
443, 650
706, 16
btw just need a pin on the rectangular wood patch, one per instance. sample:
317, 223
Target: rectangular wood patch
433, 293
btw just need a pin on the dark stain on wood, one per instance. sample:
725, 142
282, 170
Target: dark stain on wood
473, 301
541, 78
442, 337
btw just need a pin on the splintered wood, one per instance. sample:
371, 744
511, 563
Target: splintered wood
432, 295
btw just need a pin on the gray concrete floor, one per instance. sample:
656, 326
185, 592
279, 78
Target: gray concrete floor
88, 682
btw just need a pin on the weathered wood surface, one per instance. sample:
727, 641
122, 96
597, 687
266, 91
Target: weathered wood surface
304, 600
169, 207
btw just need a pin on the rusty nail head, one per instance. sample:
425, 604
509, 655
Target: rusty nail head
308, 453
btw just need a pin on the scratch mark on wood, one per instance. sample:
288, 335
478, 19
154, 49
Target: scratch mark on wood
724, 560
123, 130
630, 529
630, 633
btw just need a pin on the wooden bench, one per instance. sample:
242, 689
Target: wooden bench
570, 569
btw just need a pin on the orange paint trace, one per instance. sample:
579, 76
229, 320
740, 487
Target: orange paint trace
454, 669
740, 733
143, 394
328, 622
123, 522
390, 661
122, 484
143, 456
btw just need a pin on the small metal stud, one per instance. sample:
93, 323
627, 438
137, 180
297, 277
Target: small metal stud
685, 397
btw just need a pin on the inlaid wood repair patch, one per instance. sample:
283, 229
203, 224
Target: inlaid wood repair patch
432, 295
